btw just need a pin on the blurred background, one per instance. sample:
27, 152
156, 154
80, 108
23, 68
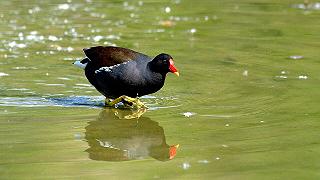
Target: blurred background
246, 104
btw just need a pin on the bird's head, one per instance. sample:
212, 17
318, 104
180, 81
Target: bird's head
163, 63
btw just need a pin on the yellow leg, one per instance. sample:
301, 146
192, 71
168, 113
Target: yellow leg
107, 102
128, 101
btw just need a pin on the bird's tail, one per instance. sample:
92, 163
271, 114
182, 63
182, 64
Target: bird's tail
83, 63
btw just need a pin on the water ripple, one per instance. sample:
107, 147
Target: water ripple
75, 101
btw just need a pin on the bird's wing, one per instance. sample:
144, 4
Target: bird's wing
108, 56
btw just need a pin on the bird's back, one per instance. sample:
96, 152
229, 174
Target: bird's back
101, 56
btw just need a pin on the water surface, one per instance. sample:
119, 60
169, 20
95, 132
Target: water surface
244, 107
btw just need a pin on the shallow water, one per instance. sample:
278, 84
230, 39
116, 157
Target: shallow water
244, 107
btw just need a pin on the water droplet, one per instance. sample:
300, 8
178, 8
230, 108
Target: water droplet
3, 74
186, 165
302, 77
77, 136
34, 10
282, 77
52, 38
97, 38
63, 6
69, 49
296, 57
33, 32
204, 161
245, 73
113, 37
188, 114
13, 44
167, 9
193, 30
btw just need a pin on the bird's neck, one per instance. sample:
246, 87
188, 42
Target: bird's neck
152, 68
155, 78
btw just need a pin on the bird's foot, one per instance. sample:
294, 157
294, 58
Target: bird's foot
127, 101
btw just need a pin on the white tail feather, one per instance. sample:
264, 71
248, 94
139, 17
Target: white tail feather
80, 65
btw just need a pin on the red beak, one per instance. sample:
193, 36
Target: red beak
173, 151
172, 68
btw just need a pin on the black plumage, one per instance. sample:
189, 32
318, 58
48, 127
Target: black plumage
116, 71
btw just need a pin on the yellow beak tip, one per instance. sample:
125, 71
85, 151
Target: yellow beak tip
177, 73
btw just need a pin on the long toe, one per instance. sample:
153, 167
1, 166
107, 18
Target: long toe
134, 102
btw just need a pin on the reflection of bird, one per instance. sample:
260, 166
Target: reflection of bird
114, 139
125, 74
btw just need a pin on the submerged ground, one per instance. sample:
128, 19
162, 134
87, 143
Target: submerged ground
246, 105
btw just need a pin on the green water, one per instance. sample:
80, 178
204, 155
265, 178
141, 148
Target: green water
241, 108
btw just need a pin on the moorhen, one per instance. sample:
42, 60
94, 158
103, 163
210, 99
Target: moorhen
124, 75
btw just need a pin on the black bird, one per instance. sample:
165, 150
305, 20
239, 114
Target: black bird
123, 74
